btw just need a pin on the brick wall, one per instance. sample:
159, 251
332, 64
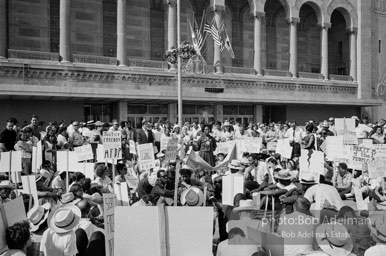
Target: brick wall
87, 27
29, 25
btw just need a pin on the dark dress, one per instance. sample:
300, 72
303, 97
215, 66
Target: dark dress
206, 145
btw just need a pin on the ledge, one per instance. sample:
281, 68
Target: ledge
307, 75
341, 78
33, 55
91, 59
280, 73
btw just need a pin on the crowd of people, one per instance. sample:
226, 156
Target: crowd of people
68, 219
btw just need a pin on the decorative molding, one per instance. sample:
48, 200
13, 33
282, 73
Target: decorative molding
272, 72
325, 25
379, 6
171, 3
33, 55
293, 20
308, 75
92, 59
239, 70
352, 30
219, 8
148, 64
341, 78
167, 79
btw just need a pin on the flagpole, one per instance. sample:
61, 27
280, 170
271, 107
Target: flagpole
179, 86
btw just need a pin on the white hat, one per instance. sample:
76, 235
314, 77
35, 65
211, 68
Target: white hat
64, 218
192, 196
235, 164
334, 239
377, 225
37, 215
245, 205
285, 175
7, 184
355, 117
160, 154
67, 198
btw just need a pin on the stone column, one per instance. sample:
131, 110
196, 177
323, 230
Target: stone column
121, 33
3, 30
172, 113
172, 23
258, 17
293, 66
218, 16
324, 50
353, 53
65, 31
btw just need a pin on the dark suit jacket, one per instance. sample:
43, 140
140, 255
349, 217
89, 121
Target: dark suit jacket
142, 138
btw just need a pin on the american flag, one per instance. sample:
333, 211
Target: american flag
212, 29
200, 39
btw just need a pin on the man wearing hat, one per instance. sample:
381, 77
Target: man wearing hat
325, 128
187, 180
60, 239
6, 188
192, 197
37, 216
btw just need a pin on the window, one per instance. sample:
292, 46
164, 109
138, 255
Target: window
340, 48
342, 71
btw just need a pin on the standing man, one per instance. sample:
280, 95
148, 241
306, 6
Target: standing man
295, 136
8, 137
157, 136
144, 135
36, 129
75, 138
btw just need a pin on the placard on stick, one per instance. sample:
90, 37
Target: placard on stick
109, 201
311, 165
29, 187
171, 150
112, 145
122, 194
231, 185
84, 153
146, 156
37, 157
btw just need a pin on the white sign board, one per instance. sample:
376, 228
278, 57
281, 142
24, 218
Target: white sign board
112, 145
29, 187
120, 190
146, 156
84, 153
108, 214
231, 185
311, 165
171, 150
284, 148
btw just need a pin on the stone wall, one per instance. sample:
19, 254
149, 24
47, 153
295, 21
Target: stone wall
28, 25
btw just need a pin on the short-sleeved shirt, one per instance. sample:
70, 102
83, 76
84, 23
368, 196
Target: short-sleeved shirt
58, 244
326, 195
76, 138
343, 181
361, 130
8, 138
259, 172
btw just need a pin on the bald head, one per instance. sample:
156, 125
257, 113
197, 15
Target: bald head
84, 207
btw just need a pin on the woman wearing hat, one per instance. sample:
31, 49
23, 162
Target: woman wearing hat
206, 145
227, 133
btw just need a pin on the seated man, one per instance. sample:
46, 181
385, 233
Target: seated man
160, 193
378, 190
343, 181
256, 175
237, 246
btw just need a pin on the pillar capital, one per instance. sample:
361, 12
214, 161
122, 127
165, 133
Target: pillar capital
352, 30
258, 15
325, 25
171, 3
218, 8
293, 21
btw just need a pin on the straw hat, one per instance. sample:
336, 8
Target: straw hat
64, 218
245, 161
99, 123
245, 205
235, 164
334, 239
160, 154
37, 215
284, 175
226, 123
67, 198
7, 185
192, 196
377, 225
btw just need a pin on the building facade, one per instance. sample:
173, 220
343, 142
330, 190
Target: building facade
103, 59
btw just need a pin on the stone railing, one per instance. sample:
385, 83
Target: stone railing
33, 55
271, 72
239, 70
148, 64
341, 78
91, 59
208, 69
308, 75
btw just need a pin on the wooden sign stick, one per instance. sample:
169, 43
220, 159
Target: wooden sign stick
114, 160
205, 191
176, 180
67, 169
10, 166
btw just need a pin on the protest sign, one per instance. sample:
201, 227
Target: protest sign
171, 150
346, 128
13, 211
311, 165
284, 148
362, 154
224, 147
380, 151
146, 156
132, 181
166, 230
87, 169
251, 144
361, 205
376, 168
365, 142
112, 145
231, 185
16, 166
84, 153
37, 157
29, 187
5, 162
122, 194
164, 142
334, 147
100, 155
132, 147
108, 214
